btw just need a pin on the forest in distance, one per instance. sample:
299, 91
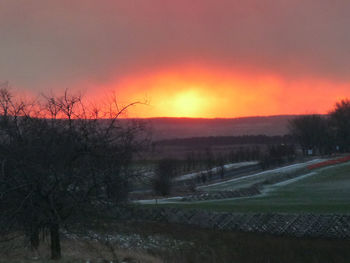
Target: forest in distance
178, 128
228, 140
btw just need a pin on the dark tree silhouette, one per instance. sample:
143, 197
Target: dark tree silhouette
59, 161
340, 121
312, 133
165, 172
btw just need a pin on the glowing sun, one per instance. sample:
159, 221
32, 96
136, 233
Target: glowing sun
187, 104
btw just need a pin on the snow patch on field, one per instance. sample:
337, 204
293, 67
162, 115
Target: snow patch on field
131, 241
227, 167
285, 169
266, 189
305, 175
155, 201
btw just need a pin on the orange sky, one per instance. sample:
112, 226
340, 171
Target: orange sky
198, 58
217, 92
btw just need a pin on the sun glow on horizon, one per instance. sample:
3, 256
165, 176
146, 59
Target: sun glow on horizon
188, 104
209, 92
197, 92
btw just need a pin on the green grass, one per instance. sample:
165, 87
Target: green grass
243, 182
247, 181
327, 191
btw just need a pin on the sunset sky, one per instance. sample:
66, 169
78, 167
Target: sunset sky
185, 58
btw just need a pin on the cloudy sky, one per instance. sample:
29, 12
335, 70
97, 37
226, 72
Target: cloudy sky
195, 58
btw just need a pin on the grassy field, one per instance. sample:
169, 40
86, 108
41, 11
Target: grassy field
247, 181
325, 190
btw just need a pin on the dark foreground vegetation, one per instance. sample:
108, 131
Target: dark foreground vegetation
58, 161
187, 244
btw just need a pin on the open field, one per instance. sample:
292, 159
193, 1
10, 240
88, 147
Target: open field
250, 180
324, 190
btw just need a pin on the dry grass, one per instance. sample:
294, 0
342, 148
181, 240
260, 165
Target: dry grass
74, 251
203, 246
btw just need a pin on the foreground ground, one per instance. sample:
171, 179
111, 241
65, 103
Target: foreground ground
183, 244
322, 190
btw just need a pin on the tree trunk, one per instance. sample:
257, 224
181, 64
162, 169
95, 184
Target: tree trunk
55, 242
34, 237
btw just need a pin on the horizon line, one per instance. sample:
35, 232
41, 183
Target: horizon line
223, 118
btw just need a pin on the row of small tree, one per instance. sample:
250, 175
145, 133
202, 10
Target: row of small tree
324, 134
277, 155
208, 158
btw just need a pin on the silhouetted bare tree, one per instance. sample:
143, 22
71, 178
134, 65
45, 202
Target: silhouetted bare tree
60, 160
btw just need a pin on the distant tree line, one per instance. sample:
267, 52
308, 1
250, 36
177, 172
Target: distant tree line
204, 142
208, 158
323, 134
